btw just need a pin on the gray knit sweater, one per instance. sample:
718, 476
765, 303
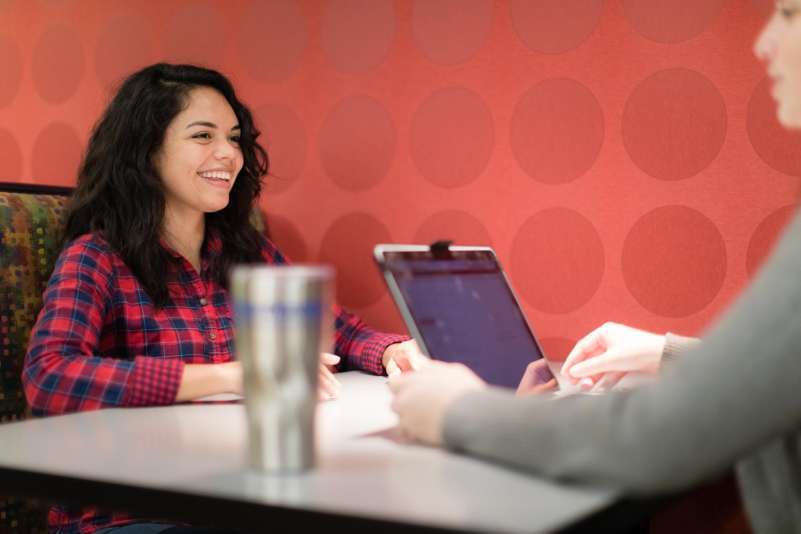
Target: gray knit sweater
735, 398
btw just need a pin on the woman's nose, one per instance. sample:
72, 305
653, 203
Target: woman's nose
224, 149
765, 45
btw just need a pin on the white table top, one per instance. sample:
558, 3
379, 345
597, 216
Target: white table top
365, 469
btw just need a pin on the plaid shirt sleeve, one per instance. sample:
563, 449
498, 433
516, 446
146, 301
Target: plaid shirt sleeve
62, 371
360, 346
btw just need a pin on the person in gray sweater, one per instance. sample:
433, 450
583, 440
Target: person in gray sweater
732, 399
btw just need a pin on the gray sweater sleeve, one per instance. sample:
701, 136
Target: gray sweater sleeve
724, 398
676, 346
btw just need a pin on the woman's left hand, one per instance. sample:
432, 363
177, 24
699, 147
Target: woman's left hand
421, 399
403, 357
328, 385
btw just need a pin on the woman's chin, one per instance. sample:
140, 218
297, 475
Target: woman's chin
789, 117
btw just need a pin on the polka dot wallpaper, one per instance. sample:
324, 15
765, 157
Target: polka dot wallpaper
622, 156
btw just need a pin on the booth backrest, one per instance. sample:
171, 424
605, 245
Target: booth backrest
31, 219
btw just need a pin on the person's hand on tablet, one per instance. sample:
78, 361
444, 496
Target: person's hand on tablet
603, 357
422, 398
403, 357
536, 379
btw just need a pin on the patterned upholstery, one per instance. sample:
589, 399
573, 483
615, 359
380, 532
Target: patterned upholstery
30, 232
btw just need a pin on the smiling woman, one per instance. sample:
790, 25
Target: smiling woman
137, 306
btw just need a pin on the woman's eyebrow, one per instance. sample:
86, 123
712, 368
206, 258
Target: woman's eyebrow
208, 124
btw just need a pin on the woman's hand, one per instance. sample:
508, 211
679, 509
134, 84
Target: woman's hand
403, 357
533, 382
422, 398
610, 352
328, 386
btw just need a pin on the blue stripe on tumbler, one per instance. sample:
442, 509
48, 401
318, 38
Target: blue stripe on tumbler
247, 310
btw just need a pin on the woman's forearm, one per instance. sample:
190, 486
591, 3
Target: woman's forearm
200, 380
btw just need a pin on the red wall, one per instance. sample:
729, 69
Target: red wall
622, 156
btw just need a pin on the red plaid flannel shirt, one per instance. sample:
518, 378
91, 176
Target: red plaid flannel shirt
100, 342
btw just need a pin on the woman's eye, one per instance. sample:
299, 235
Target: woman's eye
235, 139
202, 135
788, 13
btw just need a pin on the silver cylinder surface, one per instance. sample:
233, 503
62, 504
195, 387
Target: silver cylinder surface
283, 320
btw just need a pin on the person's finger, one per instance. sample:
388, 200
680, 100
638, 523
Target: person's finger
586, 383
403, 360
611, 361
329, 376
328, 385
607, 382
329, 359
526, 383
544, 388
392, 368
530, 376
536, 364
587, 348
565, 371
538, 389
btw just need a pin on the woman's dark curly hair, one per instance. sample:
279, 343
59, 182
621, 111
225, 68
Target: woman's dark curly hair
120, 194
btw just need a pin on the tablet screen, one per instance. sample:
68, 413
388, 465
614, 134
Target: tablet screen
465, 311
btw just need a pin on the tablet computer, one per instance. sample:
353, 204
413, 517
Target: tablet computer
458, 305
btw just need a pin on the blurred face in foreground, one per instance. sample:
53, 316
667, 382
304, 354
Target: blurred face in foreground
779, 46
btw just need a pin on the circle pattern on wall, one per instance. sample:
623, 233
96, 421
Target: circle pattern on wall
555, 26
575, 260
57, 64
452, 137
674, 124
348, 245
764, 237
348, 24
357, 143
453, 225
284, 138
451, 31
56, 155
123, 47
12, 157
190, 36
272, 54
557, 131
11, 62
674, 261
776, 145
673, 21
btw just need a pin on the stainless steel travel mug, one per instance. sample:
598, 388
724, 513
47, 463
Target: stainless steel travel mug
282, 319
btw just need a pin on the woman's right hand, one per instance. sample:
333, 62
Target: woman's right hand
327, 386
610, 352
